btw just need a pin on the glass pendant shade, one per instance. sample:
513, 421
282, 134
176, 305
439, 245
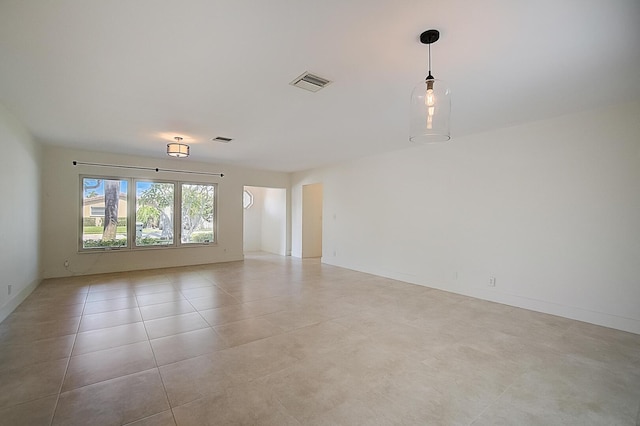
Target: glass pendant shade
430, 112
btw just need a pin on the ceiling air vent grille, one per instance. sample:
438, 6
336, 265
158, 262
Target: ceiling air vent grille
221, 139
310, 82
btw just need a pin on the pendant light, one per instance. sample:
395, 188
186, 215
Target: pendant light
177, 148
430, 104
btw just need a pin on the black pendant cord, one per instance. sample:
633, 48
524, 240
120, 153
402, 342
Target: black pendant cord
430, 77
429, 59
154, 169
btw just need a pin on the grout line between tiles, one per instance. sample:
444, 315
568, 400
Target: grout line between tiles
66, 369
489, 405
155, 360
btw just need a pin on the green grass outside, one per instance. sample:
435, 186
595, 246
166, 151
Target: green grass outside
99, 230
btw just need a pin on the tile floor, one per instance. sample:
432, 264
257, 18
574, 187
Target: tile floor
281, 341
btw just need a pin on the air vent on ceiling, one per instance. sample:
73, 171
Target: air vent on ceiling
221, 139
310, 82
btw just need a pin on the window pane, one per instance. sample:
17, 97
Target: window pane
197, 214
247, 199
154, 213
104, 213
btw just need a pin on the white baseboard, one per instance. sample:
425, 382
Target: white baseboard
13, 303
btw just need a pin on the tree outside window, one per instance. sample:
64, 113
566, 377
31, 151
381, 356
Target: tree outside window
105, 213
108, 196
154, 213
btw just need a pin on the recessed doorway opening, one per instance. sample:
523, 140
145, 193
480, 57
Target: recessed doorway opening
265, 220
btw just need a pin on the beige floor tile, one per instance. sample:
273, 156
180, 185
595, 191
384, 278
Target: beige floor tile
359, 349
291, 319
110, 305
186, 345
323, 337
77, 283
117, 401
189, 283
466, 364
109, 284
579, 389
583, 345
506, 415
365, 323
107, 364
19, 331
260, 358
311, 387
120, 293
110, 319
32, 382
245, 405
248, 330
161, 310
156, 298
161, 419
20, 354
144, 288
168, 326
227, 314
261, 291
33, 413
271, 305
148, 278
58, 299
39, 313
195, 378
354, 411
213, 410
105, 338
207, 291
217, 301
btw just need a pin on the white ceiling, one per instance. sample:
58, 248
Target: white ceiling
127, 76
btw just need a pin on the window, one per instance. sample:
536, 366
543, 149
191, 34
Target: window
154, 213
97, 211
109, 229
197, 213
151, 208
247, 199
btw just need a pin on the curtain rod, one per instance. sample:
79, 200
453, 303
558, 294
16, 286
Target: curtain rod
155, 169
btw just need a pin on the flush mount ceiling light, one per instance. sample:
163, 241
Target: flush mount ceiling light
430, 104
178, 149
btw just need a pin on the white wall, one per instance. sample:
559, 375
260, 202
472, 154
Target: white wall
265, 223
252, 228
20, 165
312, 220
274, 221
551, 209
61, 202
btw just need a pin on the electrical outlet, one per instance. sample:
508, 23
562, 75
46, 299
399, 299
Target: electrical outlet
335, 253
9, 288
66, 263
492, 281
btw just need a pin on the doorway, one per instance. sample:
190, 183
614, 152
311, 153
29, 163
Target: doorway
265, 220
312, 220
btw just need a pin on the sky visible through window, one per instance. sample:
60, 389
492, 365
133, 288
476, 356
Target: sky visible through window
98, 191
